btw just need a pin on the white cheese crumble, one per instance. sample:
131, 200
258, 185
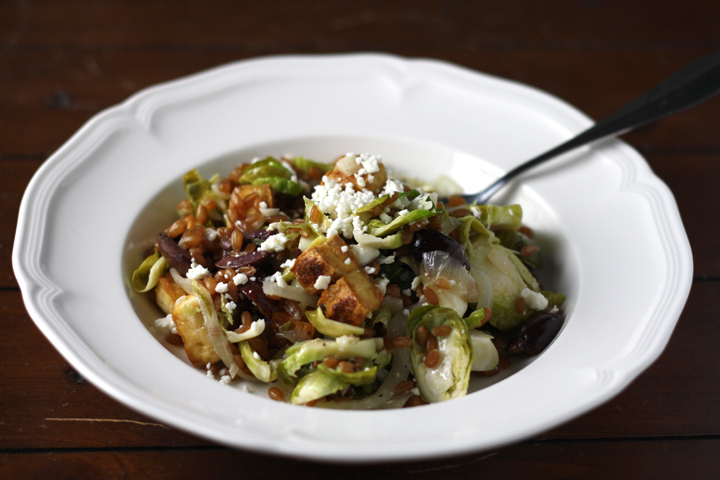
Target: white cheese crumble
221, 287
225, 379
197, 272
370, 270
322, 282
289, 263
534, 300
347, 261
277, 278
415, 283
382, 283
344, 248
230, 305
274, 243
240, 279
406, 311
166, 325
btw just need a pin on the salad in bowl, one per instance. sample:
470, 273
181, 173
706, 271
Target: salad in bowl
341, 285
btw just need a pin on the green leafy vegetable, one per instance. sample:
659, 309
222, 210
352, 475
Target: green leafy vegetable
262, 370
197, 188
316, 384
312, 350
450, 377
280, 185
399, 273
331, 328
379, 228
145, 278
306, 164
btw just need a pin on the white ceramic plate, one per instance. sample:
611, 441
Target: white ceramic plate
609, 228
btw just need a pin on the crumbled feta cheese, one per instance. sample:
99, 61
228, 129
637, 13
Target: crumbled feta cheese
415, 283
289, 263
382, 283
322, 282
221, 287
225, 379
230, 305
385, 218
407, 292
263, 205
277, 278
554, 309
246, 388
415, 391
371, 163
274, 243
370, 270
393, 186
166, 325
344, 248
347, 261
406, 311
534, 300
197, 272
240, 279
360, 181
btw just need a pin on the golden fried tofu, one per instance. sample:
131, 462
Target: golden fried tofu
167, 292
373, 182
351, 298
191, 328
325, 259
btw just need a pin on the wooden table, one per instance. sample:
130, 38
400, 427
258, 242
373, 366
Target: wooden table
63, 61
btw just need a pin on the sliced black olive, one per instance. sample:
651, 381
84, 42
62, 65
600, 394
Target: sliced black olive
536, 334
254, 291
427, 240
243, 259
177, 257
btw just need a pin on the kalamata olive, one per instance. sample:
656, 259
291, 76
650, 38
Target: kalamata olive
536, 334
243, 259
177, 257
254, 291
427, 240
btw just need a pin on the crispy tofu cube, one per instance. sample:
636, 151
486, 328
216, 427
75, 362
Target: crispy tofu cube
191, 328
167, 292
325, 259
351, 298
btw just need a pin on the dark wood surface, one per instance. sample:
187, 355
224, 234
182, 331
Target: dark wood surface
63, 61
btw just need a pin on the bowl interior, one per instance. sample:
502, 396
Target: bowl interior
409, 157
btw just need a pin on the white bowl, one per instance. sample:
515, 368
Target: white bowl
611, 232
